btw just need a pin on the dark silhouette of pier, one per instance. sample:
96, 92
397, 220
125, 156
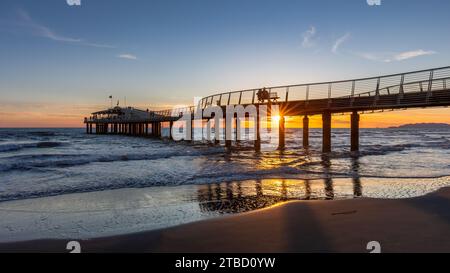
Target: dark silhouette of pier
418, 89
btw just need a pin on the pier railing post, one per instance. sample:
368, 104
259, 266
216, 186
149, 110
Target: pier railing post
354, 131
305, 132
326, 127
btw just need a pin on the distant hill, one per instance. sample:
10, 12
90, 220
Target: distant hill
423, 126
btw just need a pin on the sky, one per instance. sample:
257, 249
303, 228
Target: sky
59, 62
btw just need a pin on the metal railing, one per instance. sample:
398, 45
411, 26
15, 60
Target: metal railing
417, 81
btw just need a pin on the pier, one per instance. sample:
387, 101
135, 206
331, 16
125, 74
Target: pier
418, 89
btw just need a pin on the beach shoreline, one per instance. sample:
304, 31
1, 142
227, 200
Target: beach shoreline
420, 224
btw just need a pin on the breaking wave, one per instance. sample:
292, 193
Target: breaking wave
19, 146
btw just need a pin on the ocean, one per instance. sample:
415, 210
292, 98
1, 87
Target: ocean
63, 183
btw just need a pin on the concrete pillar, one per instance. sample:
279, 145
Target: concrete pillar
192, 130
170, 130
208, 130
354, 134
146, 129
305, 132
237, 129
281, 132
257, 143
228, 141
326, 128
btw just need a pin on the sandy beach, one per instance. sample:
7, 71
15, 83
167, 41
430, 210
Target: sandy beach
419, 224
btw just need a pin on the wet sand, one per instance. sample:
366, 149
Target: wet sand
419, 224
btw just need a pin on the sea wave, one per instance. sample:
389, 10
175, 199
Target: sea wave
42, 161
11, 147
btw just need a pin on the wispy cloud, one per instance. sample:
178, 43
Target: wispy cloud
127, 56
308, 37
39, 30
413, 54
339, 42
388, 57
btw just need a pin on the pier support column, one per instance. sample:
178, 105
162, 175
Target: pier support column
192, 130
326, 127
281, 132
354, 134
87, 128
90, 128
170, 130
228, 138
237, 129
257, 143
146, 129
305, 132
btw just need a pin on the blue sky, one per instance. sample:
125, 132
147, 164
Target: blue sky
166, 52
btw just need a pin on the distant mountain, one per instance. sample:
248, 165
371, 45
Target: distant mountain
423, 126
